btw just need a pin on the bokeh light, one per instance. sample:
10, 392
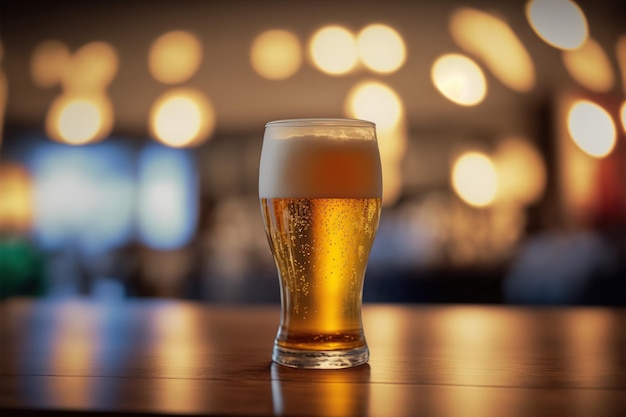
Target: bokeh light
91, 69
376, 102
459, 79
16, 208
83, 196
590, 66
175, 57
521, 171
475, 179
381, 48
560, 23
49, 61
167, 197
182, 117
79, 119
276, 54
493, 41
83, 113
333, 50
592, 128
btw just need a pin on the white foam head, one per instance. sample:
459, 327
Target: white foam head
320, 158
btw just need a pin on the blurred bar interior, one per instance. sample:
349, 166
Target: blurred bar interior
132, 133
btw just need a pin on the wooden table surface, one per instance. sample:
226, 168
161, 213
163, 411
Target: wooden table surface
172, 357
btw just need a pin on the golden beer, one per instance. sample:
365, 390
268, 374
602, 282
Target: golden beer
320, 192
321, 248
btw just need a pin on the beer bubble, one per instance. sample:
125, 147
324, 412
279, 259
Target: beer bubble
321, 258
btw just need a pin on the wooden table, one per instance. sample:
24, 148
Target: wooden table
172, 357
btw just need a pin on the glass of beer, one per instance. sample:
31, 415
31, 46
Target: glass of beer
320, 186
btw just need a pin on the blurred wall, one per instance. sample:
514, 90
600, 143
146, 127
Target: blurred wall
117, 180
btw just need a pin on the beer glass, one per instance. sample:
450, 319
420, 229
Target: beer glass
320, 188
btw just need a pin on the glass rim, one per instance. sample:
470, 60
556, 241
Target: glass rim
321, 121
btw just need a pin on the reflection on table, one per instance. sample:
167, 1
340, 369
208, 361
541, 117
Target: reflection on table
181, 357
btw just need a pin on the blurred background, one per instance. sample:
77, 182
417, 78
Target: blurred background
131, 136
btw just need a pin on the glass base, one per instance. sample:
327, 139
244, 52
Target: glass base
320, 359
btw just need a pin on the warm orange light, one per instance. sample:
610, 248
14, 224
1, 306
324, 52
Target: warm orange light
578, 182
80, 119
175, 57
178, 120
474, 179
622, 115
493, 41
15, 198
276, 54
521, 172
49, 62
590, 66
474, 329
82, 113
620, 53
174, 329
592, 128
560, 23
182, 118
333, 50
77, 333
375, 101
459, 79
381, 48
91, 69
